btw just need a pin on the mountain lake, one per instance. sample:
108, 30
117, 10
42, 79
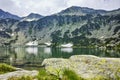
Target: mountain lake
32, 57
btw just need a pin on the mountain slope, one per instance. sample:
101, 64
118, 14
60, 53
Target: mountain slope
4, 15
94, 27
79, 25
7, 34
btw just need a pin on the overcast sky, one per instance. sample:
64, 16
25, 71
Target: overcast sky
47, 7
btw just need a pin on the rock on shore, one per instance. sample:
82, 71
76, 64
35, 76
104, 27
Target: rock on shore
18, 73
87, 66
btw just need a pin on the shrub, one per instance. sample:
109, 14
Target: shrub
117, 74
43, 75
4, 68
70, 75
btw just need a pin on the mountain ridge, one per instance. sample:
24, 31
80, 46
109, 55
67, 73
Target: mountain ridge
102, 10
4, 15
90, 28
82, 10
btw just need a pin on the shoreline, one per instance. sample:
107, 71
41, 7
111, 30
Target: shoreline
85, 66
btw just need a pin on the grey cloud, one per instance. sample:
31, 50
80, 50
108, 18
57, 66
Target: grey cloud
7, 4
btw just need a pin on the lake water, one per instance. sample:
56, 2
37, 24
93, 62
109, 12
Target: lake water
32, 57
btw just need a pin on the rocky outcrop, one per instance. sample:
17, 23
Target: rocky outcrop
18, 73
87, 66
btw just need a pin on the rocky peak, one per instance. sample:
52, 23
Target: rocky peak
81, 11
32, 17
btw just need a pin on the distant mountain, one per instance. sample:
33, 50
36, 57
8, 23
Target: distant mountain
80, 25
75, 10
32, 17
114, 12
4, 15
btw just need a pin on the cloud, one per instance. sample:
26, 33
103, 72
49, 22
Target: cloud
97, 4
47, 7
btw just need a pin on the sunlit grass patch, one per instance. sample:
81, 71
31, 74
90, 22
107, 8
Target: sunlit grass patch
4, 68
70, 75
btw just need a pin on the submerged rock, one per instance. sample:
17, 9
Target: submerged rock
87, 66
19, 73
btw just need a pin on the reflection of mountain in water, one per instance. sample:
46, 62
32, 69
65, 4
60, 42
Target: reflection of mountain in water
20, 53
32, 50
68, 50
27, 56
47, 50
31, 55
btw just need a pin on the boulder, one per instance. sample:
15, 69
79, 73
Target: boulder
18, 73
87, 66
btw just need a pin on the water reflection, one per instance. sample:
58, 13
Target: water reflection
32, 54
47, 50
35, 55
19, 53
68, 50
11, 60
32, 50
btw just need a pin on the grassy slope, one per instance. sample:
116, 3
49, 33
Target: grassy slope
4, 68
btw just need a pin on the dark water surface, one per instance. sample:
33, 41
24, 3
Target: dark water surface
32, 57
